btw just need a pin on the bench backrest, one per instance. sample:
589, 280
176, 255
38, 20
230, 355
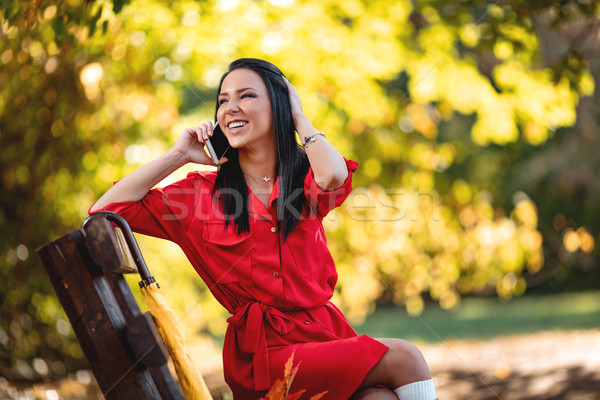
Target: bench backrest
122, 345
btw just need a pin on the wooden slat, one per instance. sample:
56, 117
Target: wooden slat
100, 306
73, 283
144, 339
106, 246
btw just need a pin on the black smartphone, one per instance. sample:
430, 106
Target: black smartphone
217, 144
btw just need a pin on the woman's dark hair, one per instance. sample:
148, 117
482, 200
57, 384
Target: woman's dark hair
291, 161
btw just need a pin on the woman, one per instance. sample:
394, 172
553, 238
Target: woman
253, 233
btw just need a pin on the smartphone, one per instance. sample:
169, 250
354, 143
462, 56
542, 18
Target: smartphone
217, 144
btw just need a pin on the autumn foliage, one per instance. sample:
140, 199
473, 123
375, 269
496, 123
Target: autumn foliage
474, 124
281, 388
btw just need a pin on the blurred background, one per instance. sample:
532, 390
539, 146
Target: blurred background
475, 212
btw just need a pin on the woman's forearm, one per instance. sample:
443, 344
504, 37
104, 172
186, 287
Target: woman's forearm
328, 165
134, 186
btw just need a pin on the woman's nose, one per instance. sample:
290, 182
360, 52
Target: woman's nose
232, 106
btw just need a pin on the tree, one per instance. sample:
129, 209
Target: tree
449, 109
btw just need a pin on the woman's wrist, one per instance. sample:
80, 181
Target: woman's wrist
176, 157
303, 126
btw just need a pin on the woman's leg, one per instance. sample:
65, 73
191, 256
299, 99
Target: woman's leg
374, 393
401, 365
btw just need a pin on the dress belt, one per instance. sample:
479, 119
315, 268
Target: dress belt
250, 331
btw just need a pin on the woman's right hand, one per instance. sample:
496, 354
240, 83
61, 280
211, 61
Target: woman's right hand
189, 147
191, 144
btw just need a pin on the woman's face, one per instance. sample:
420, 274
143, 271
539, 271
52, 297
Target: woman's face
244, 112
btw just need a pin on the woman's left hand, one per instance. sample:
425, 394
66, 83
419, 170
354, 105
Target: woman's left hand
295, 101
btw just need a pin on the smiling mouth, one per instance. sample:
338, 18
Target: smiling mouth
237, 124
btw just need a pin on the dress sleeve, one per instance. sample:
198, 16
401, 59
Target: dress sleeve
324, 201
163, 212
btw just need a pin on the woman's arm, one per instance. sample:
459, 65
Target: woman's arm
189, 147
328, 165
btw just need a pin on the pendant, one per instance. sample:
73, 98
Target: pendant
266, 179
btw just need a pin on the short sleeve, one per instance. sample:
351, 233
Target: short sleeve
325, 201
164, 212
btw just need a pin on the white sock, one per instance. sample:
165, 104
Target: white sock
422, 390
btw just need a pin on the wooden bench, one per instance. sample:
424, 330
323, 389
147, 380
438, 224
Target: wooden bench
124, 349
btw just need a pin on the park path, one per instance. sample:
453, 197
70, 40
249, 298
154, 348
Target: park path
550, 365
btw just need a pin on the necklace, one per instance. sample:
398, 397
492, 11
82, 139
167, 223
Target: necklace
266, 179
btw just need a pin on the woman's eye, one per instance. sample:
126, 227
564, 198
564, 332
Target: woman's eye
221, 101
245, 95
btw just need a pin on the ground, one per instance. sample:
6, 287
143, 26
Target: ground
550, 365
546, 365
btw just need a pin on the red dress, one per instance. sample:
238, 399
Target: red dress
278, 293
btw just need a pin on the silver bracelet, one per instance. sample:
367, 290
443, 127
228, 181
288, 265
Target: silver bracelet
311, 138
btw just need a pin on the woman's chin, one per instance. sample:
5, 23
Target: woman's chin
236, 143
247, 142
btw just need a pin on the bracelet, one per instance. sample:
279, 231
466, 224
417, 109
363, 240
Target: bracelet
311, 138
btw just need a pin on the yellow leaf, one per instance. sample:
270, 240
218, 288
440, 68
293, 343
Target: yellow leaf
318, 396
280, 389
295, 396
288, 367
277, 391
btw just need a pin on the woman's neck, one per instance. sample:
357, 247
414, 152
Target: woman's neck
258, 163
258, 168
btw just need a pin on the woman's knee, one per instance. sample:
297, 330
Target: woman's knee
402, 364
405, 361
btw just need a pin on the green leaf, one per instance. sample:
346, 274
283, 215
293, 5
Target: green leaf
11, 10
118, 5
94, 21
59, 28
